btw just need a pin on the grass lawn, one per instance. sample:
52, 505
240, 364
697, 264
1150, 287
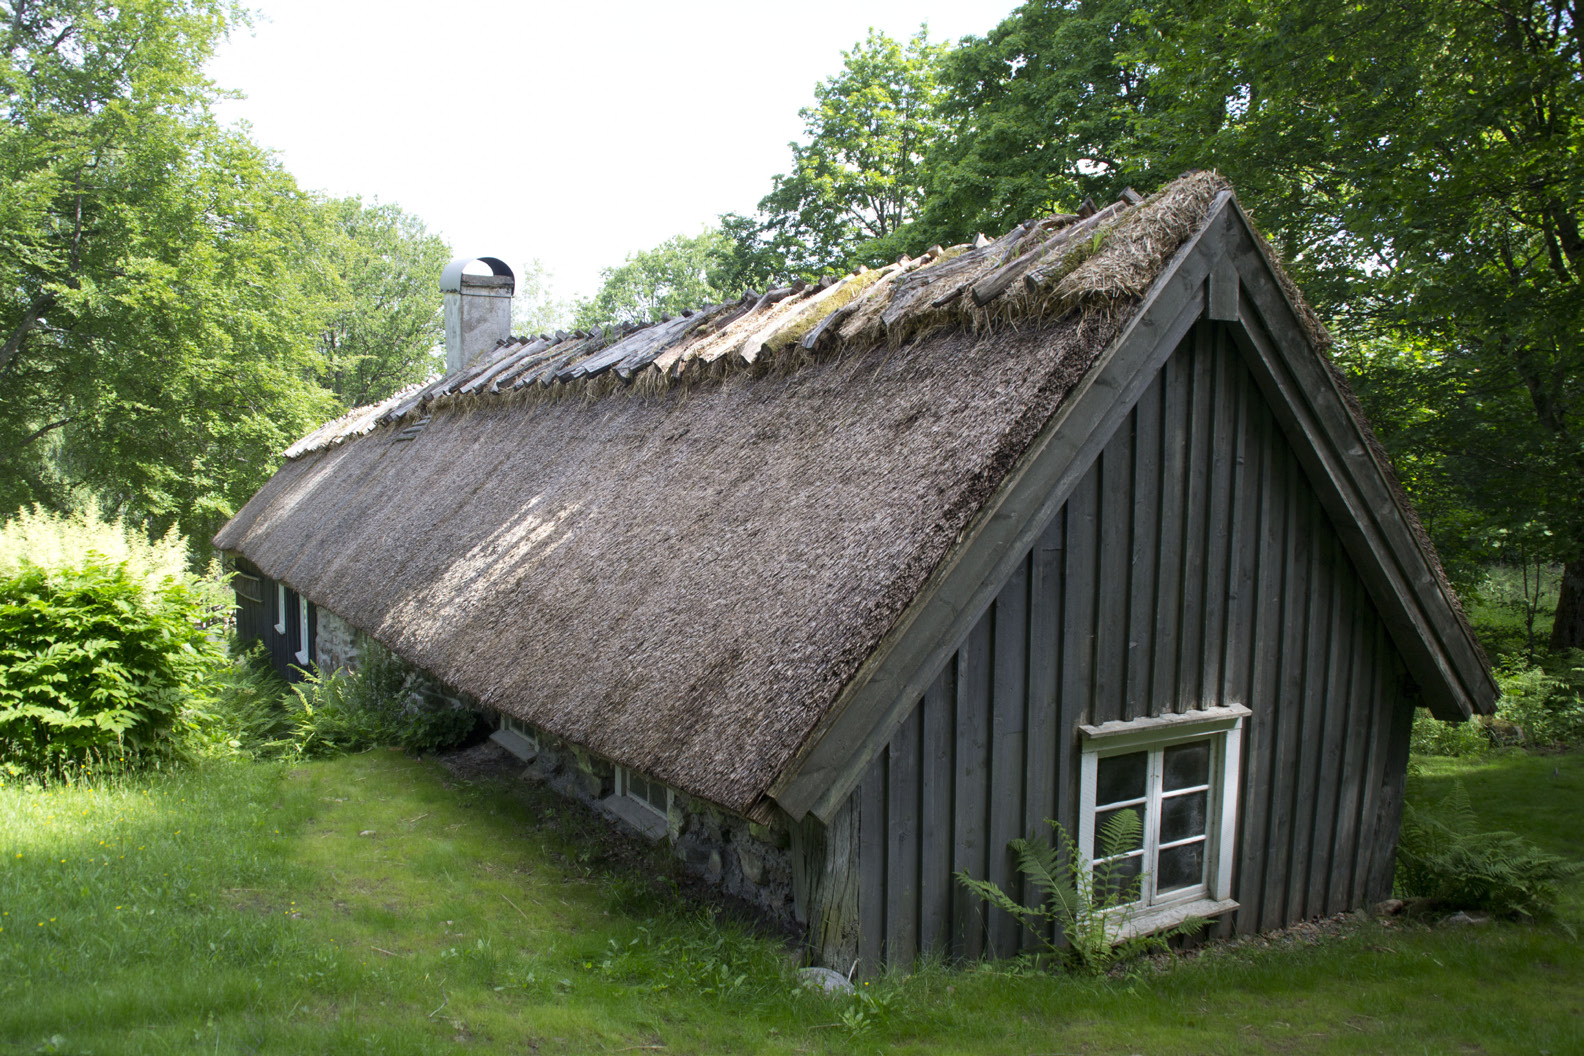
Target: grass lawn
371, 904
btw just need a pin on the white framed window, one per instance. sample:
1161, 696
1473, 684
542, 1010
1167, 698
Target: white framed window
302, 652
1179, 775
644, 791
516, 736
280, 608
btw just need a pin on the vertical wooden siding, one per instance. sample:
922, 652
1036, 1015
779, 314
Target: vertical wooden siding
255, 622
1193, 566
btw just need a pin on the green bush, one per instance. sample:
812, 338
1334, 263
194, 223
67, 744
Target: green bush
1545, 701
103, 644
258, 713
1442, 857
1431, 736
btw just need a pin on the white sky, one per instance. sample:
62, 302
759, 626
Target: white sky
571, 132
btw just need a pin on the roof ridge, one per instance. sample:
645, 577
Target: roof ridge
1097, 259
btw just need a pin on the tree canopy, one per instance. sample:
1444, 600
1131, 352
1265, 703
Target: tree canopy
174, 311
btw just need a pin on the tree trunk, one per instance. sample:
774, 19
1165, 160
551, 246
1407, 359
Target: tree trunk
1567, 631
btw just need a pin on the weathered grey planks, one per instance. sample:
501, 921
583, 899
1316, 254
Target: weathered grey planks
1192, 565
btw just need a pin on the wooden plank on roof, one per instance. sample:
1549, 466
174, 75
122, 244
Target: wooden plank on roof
896, 673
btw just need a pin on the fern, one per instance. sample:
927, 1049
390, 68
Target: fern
1091, 906
1443, 858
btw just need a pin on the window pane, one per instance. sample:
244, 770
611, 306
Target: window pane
1188, 765
1183, 816
1117, 879
1121, 777
1126, 836
1180, 867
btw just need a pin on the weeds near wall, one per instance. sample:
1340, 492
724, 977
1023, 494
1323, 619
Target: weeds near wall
1093, 906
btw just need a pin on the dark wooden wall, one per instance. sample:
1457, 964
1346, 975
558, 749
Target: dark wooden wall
1193, 566
255, 621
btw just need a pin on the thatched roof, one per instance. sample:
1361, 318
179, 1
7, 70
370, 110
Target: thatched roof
676, 545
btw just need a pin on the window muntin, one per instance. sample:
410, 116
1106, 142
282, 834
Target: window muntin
1179, 774
1169, 789
520, 728
644, 791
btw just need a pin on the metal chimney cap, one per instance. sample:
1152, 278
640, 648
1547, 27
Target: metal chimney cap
451, 277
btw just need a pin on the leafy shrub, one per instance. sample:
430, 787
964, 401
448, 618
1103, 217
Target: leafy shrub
1092, 906
1431, 736
1546, 702
102, 641
382, 703
1444, 858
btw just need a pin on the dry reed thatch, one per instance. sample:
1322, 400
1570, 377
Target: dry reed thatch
684, 580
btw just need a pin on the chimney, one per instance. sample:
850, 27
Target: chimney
477, 310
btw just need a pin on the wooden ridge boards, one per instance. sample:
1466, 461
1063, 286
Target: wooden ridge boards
867, 711
1334, 452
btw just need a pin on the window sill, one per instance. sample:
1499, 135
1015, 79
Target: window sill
1159, 918
646, 821
516, 744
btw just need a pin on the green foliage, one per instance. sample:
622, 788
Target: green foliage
1443, 857
1423, 181
858, 181
1431, 736
1040, 111
157, 306
384, 320
1091, 906
383, 703
1545, 702
103, 643
666, 280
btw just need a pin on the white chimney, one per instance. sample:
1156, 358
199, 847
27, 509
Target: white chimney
477, 310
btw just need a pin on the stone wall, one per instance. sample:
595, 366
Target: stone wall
749, 861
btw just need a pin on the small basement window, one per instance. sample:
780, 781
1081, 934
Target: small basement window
516, 736
641, 802
1179, 775
303, 652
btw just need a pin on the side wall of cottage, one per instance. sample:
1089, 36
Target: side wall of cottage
1193, 567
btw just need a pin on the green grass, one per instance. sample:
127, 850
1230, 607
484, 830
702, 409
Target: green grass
370, 904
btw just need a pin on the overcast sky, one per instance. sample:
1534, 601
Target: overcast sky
571, 132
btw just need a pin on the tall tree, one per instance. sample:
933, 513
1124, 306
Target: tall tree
157, 314
1037, 113
1418, 164
382, 270
858, 180
672, 277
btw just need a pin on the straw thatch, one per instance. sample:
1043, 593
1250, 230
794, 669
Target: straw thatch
675, 544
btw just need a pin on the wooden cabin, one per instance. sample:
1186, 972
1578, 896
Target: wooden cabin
888, 570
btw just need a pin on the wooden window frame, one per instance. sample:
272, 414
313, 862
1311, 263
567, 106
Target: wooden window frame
1222, 727
280, 607
303, 654
516, 736
624, 787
